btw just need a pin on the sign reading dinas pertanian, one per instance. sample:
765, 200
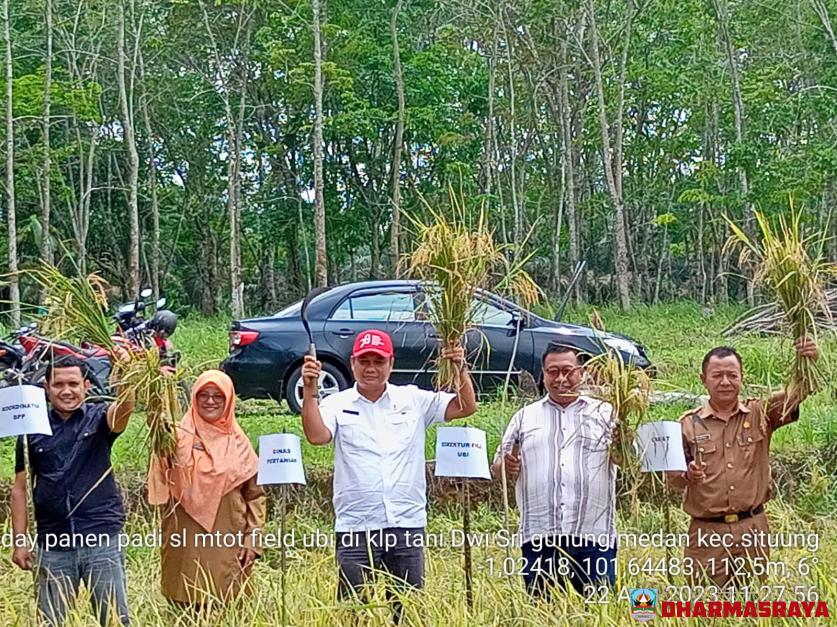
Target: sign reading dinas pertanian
280, 459
23, 410
660, 445
461, 452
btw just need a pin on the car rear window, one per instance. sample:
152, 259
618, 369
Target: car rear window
290, 310
391, 307
487, 313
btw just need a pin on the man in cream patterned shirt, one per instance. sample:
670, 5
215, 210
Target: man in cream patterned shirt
558, 449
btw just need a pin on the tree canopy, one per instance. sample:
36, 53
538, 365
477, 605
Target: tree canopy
617, 134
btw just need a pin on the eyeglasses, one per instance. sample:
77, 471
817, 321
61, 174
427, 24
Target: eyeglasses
206, 397
562, 372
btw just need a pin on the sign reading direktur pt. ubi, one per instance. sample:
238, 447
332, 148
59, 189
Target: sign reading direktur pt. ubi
461, 452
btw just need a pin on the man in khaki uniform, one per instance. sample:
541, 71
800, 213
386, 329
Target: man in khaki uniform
727, 443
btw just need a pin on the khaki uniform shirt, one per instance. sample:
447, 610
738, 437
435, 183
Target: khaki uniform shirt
736, 454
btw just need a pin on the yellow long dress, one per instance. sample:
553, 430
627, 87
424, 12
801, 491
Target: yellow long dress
196, 563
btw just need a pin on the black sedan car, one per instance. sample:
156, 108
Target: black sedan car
266, 353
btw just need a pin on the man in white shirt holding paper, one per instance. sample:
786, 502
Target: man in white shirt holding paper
378, 430
558, 449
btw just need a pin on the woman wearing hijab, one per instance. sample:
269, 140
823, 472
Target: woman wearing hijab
208, 487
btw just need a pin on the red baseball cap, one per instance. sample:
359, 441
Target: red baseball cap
373, 341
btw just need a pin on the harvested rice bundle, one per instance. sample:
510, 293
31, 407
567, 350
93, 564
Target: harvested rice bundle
76, 307
76, 310
628, 389
793, 267
159, 392
455, 257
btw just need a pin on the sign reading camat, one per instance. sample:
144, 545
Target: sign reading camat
661, 446
461, 452
280, 459
23, 410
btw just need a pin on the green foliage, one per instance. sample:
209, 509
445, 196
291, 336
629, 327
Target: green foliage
682, 165
66, 97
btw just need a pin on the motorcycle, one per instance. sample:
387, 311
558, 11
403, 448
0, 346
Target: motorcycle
12, 356
138, 332
134, 333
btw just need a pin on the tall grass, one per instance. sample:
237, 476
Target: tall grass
792, 265
499, 598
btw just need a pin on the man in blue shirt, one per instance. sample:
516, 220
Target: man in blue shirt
78, 506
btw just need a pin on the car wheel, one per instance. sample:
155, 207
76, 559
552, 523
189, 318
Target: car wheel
332, 380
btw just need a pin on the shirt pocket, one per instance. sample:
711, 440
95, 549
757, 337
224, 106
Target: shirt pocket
749, 440
90, 451
595, 437
401, 429
529, 441
85, 437
353, 434
705, 451
47, 460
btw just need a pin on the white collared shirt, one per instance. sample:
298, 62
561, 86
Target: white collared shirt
379, 462
567, 483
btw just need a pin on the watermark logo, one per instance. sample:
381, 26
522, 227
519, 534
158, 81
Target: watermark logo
643, 603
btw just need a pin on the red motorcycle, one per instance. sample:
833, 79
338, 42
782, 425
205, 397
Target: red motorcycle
135, 333
39, 350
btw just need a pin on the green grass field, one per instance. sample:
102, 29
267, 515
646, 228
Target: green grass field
676, 336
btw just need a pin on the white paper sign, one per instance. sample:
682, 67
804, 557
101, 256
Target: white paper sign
23, 410
660, 445
461, 452
280, 459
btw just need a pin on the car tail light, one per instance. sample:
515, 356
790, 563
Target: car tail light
242, 338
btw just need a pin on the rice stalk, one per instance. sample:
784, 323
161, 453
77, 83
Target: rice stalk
792, 266
517, 283
76, 311
455, 257
76, 307
158, 392
628, 389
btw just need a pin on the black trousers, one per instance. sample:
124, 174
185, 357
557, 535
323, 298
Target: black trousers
560, 561
363, 554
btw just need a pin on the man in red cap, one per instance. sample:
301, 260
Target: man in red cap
378, 434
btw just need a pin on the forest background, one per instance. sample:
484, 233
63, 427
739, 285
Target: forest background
233, 154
